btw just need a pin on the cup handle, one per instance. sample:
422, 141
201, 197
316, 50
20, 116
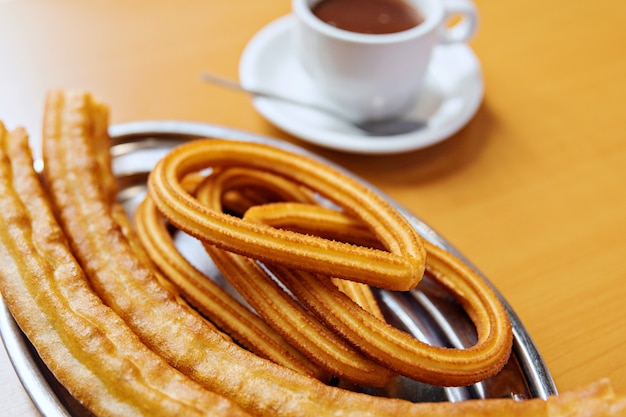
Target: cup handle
465, 28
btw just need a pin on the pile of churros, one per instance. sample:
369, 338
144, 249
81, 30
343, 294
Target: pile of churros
130, 327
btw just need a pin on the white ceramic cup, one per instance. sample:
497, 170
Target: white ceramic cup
377, 76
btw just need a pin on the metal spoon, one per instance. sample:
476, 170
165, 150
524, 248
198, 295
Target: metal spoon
386, 127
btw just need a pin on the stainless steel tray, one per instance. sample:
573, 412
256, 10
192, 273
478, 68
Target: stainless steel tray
426, 312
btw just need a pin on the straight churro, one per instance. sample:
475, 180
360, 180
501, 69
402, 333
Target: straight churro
85, 344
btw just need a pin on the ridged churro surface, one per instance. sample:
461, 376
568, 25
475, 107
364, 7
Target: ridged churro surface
86, 345
400, 267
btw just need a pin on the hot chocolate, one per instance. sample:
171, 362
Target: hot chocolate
368, 16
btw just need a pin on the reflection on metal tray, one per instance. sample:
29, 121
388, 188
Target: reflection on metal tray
427, 312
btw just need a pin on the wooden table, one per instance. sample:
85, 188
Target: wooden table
532, 190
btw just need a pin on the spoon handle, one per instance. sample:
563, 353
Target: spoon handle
372, 127
234, 85
228, 83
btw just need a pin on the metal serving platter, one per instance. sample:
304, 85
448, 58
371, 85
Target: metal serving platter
427, 312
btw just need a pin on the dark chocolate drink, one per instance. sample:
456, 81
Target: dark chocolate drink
368, 16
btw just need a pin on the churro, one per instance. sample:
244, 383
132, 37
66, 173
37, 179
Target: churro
399, 351
244, 188
236, 186
389, 346
309, 219
87, 212
211, 300
85, 344
281, 311
313, 339
400, 267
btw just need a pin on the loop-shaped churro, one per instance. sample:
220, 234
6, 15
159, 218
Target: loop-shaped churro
319, 343
211, 300
389, 346
243, 190
392, 347
399, 268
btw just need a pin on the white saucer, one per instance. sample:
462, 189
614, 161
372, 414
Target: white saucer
452, 93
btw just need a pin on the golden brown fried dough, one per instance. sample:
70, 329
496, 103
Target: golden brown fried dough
400, 268
334, 355
310, 219
320, 344
85, 344
211, 300
399, 351
390, 347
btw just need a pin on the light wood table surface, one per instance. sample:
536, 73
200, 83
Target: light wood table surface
532, 190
